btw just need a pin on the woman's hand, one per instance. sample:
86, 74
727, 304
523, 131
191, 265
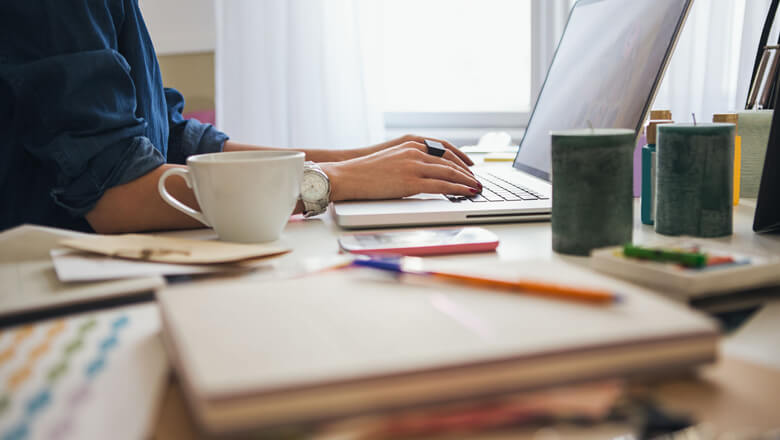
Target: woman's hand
452, 153
399, 171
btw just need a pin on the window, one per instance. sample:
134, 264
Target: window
460, 68
457, 55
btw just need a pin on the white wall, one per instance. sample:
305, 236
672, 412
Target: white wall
180, 26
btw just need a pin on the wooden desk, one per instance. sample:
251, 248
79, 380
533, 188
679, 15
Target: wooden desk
731, 395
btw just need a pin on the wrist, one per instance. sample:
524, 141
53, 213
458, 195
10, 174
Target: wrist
334, 172
352, 153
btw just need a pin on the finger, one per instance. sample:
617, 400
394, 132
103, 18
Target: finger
450, 164
435, 186
448, 156
450, 174
456, 152
458, 161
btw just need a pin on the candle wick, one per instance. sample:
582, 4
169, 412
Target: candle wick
694, 118
590, 124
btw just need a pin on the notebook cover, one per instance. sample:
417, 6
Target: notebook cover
30, 288
237, 340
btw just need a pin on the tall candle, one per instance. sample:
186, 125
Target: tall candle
754, 129
694, 179
592, 195
637, 184
648, 173
733, 118
655, 115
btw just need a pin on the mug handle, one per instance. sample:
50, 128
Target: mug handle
185, 174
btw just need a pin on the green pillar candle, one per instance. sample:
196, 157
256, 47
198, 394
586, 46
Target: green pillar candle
592, 189
694, 179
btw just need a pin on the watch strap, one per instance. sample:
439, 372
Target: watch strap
311, 209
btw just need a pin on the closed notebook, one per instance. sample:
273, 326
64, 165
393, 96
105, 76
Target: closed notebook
29, 287
748, 270
252, 356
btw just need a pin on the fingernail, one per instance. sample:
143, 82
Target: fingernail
473, 190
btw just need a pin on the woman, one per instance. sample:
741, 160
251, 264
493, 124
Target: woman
87, 128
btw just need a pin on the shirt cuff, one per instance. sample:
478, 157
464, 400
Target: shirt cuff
195, 138
114, 166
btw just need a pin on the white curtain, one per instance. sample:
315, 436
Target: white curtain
306, 73
549, 19
711, 68
298, 73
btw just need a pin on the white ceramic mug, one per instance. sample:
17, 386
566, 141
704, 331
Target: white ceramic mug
246, 196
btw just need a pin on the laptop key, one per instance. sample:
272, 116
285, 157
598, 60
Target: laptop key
527, 196
491, 196
477, 198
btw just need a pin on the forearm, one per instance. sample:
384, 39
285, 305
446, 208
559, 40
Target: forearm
137, 206
393, 172
314, 155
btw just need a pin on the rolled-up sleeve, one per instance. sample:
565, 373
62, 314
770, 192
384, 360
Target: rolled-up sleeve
188, 136
76, 113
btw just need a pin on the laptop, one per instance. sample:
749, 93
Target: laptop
606, 71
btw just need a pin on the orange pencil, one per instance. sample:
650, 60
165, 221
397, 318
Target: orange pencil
535, 287
521, 286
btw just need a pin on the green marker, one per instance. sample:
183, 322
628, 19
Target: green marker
688, 259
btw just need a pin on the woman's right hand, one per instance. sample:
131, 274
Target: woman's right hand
400, 171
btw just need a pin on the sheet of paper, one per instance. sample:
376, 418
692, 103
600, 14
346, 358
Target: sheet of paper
95, 375
163, 249
756, 340
84, 266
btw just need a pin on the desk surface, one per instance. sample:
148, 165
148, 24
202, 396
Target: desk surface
731, 394
316, 237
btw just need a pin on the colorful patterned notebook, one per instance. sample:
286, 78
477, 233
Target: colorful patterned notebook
95, 375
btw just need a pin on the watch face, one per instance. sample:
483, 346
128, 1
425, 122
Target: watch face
314, 187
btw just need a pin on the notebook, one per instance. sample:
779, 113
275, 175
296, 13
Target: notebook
63, 378
746, 269
30, 288
253, 356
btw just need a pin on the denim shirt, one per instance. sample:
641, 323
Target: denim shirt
82, 109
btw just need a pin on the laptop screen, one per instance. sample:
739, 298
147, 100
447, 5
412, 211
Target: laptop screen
606, 69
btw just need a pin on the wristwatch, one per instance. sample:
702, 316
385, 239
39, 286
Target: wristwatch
315, 190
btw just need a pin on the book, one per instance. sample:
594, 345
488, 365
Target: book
258, 356
747, 269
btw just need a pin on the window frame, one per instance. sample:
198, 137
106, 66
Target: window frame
464, 128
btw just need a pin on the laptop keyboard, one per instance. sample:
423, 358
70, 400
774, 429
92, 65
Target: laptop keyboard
496, 189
